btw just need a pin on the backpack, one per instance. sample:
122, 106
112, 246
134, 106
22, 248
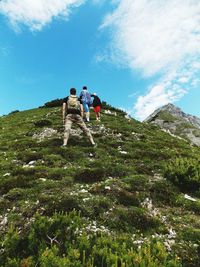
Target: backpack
86, 97
73, 103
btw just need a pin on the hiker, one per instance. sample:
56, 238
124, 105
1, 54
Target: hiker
97, 106
86, 101
73, 113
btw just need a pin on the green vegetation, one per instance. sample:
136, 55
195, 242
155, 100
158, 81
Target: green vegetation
185, 173
77, 242
166, 116
120, 204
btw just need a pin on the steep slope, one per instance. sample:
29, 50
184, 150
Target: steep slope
175, 121
132, 201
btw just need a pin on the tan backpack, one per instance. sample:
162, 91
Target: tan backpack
73, 103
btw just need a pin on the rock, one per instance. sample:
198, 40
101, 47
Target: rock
46, 133
110, 112
6, 174
123, 152
189, 198
32, 162
4, 221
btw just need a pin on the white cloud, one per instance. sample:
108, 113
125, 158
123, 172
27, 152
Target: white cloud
173, 86
158, 95
36, 13
157, 38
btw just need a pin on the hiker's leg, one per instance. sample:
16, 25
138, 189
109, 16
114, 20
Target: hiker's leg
87, 111
99, 112
87, 116
84, 128
96, 116
85, 108
96, 113
68, 125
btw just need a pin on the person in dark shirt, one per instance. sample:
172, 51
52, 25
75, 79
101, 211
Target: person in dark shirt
73, 113
97, 106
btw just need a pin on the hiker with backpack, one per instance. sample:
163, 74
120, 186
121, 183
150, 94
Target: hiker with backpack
86, 101
97, 106
73, 113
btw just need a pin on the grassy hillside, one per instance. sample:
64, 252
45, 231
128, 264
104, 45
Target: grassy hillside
132, 201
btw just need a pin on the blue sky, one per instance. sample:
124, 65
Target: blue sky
136, 54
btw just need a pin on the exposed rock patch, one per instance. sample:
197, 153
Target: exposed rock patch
46, 133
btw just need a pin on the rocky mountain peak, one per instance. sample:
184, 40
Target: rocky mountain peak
174, 120
170, 108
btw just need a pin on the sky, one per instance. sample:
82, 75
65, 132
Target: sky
137, 55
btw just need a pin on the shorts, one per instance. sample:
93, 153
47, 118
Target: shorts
97, 109
86, 107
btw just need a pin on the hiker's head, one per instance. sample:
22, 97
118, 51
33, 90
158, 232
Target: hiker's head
95, 94
84, 87
73, 91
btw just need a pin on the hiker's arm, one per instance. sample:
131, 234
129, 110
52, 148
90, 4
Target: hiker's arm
64, 110
81, 109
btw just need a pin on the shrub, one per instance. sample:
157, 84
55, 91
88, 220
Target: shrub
63, 240
188, 253
14, 245
27, 156
13, 112
90, 175
42, 123
164, 192
54, 103
191, 234
188, 204
4, 205
15, 194
130, 219
137, 182
56, 174
21, 178
71, 154
53, 160
51, 258
58, 203
127, 198
185, 173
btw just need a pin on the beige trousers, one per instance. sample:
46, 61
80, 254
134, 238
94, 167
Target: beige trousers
77, 119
